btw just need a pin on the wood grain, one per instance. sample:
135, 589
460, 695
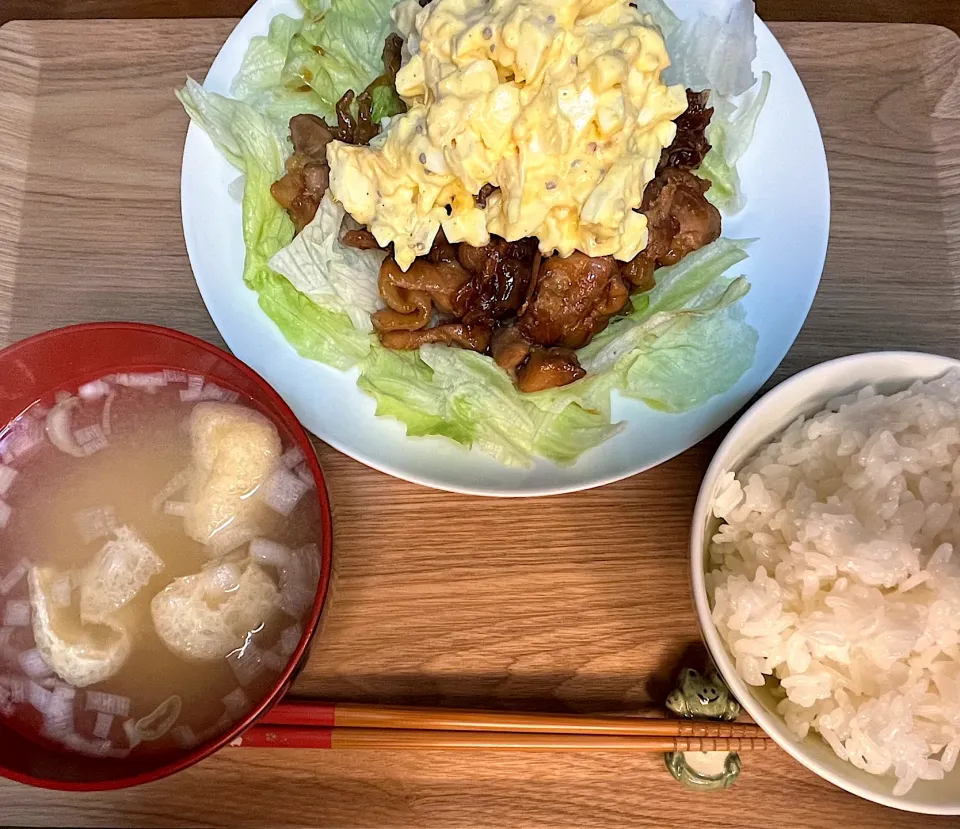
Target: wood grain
939, 12
572, 603
893, 153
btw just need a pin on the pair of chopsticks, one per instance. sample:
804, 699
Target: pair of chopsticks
353, 726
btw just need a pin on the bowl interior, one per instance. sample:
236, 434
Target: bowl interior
36, 368
804, 394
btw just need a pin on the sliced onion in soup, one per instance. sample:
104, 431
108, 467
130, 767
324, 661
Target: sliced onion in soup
159, 721
107, 703
101, 728
95, 522
60, 430
12, 579
7, 476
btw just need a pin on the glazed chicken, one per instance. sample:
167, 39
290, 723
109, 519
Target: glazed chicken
528, 312
690, 145
533, 367
307, 177
411, 295
680, 220
500, 275
471, 337
573, 300
301, 190
561, 309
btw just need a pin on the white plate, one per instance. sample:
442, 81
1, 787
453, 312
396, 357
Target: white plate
788, 210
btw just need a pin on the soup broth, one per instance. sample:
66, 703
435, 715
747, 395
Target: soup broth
118, 514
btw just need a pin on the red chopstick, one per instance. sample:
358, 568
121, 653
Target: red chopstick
342, 716
384, 739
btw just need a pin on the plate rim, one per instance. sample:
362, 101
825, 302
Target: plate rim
563, 486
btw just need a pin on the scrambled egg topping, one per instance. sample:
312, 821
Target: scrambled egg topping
558, 103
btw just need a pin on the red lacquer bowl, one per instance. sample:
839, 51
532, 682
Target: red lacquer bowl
34, 369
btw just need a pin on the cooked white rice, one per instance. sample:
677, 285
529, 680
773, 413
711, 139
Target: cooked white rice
834, 571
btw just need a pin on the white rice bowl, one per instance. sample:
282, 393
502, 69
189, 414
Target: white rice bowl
833, 578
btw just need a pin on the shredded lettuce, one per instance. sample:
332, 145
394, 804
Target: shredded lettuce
730, 132
257, 147
714, 48
467, 397
260, 79
338, 47
331, 274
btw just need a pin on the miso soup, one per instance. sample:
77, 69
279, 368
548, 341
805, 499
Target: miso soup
158, 558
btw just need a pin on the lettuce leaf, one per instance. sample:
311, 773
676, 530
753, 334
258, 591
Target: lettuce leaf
315, 332
468, 398
314, 8
338, 48
260, 79
693, 287
386, 103
730, 133
305, 65
238, 130
402, 384
565, 436
689, 342
714, 48
263, 62
687, 364
258, 148
331, 274
661, 14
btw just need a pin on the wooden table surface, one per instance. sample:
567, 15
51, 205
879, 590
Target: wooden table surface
941, 12
570, 603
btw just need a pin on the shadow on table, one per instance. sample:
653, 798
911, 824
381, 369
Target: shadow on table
612, 693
